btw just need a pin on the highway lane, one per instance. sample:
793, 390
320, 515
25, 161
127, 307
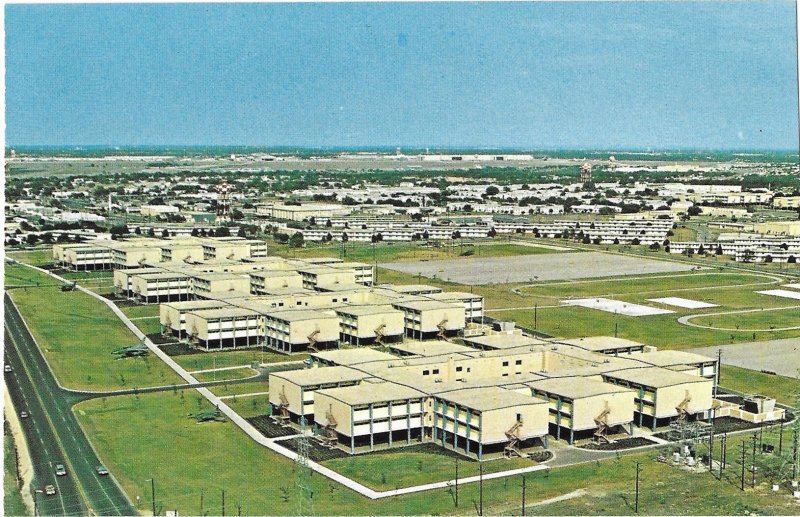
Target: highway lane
56, 431
44, 451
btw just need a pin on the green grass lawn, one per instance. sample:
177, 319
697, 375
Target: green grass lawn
139, 311
77, 334
12, 498
248, 356
784, 389
149, 325
256, 405
659, 283
239, 373
223, 390
660, 330
188, 459
389, 470
38, 257
386, 252
743, 322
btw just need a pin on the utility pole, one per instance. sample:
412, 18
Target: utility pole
794, 454
744, 452
523, 495
153, 494
223, 503
718, 370
616, 328
535, 316
638, 469
201, 501
753, 467
780, 440
480, 488
456, 482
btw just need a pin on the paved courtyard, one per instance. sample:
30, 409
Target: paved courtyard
533, 268
781, 356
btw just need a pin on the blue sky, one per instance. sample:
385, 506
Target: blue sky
528, 75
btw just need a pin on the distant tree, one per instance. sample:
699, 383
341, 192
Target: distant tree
32, 239
241, 233
694, 210
195, 232
62, 237
492, 232
655, 246
636, 241
137, 231
491, 190
223, 231
47, 238
296, 240
151, 232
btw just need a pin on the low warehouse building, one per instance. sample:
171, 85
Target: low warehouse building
428, 319
607, 345
584, 407
369, 415
265, 282
172, 316
301, 330
663, 395
365, 325
291, 393
158, 287
229, 327
488, 421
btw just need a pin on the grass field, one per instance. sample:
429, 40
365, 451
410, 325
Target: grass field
659, 283
223, 390
12, 498
395, 252
187, 459
77, 334
140, 311
785, 389
38, 257
239, 373
206, 360
388, 470
748, 321
247, 407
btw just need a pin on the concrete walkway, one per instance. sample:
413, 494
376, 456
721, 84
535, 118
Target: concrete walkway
270, 443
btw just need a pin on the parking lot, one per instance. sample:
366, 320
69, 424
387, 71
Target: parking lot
533, 268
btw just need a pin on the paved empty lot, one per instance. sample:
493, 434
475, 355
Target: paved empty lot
781, 356
532, 268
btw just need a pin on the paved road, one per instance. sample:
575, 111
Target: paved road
53, 433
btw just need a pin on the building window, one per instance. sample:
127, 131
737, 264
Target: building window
426, 372
505, 363
459, 368
436, 371
518, 362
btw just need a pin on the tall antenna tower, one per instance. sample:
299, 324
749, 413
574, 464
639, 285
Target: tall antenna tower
305, 494
224, 203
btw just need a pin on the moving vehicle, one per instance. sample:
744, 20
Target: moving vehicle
8, 368
50, 490
101, 470
23, 414
61, 470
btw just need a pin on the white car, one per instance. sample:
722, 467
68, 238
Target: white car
8, 368
23, 414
